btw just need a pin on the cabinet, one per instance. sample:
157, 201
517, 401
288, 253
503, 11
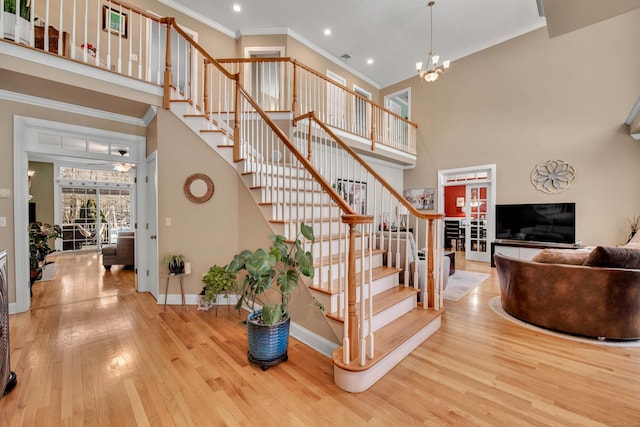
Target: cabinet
523, 250
54, 35
7, 377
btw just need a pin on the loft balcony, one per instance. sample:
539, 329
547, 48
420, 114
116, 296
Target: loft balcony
73, 49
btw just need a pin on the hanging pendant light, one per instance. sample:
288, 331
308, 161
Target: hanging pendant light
432, 69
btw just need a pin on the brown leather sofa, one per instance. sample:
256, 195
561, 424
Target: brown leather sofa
585, 300
122, 253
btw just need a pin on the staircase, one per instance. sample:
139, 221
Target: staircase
311, 176
308, 174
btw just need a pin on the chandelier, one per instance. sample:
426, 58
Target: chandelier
432, 70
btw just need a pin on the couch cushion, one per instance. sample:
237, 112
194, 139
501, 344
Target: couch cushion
561, 256
603, 256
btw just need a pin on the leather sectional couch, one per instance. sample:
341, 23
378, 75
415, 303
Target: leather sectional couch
592, 294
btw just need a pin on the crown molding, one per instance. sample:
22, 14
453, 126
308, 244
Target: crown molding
268, 32
198, 17
71, 108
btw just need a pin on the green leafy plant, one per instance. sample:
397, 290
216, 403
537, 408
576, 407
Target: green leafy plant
25, 8
174, 263
280, 267
218, 280
39, 235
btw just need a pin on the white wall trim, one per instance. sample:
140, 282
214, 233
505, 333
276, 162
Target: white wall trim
24, 130
313, 340
71, 108
198, 17
79, 68
633, 113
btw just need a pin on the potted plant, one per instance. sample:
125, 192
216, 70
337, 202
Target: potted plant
39, 235
174, 263
279, 268
217, 281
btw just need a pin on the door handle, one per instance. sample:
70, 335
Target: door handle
152, 237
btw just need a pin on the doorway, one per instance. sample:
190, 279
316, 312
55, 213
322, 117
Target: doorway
265, 79
63, 143
362, 111
336, 101
478, 205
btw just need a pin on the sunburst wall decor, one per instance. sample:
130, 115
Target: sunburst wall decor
552, 176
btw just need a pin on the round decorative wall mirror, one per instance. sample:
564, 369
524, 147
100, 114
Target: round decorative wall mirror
198, 188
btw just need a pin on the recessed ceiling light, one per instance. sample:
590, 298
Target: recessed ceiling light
327, 31
370, 61
237, 8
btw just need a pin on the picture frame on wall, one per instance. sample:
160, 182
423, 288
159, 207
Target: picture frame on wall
421, 198
354, 193
114, 21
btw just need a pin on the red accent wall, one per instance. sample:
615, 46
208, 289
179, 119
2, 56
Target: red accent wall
450, 195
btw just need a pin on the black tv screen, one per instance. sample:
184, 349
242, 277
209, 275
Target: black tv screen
537, 222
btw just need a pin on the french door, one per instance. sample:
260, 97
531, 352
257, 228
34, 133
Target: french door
93, 217
476, 222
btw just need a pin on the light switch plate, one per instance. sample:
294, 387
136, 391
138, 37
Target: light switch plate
5, 193
3, 221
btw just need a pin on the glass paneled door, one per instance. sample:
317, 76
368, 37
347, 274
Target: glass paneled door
92, 217
476, 222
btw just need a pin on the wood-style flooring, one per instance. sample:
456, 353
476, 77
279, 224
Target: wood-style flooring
94, 352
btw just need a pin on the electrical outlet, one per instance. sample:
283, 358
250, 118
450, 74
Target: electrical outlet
134, 57
3, 221
167, 221
5, 193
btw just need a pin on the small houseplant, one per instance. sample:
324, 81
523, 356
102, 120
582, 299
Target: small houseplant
174, 263
39, 235
281, 268
218, 281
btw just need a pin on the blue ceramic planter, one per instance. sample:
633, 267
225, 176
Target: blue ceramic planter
267, 344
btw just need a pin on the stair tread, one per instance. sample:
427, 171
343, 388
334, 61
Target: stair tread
390, 337
381, 301
341, 257
376, 273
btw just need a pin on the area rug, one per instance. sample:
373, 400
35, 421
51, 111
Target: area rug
48, 272
496, 305
461, 283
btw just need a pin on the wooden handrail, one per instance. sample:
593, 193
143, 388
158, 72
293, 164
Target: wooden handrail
307, 164
325, 78
311, 116
171, 22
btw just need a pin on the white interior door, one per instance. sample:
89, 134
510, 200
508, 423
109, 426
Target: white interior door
151, 228
336, 101
477, 221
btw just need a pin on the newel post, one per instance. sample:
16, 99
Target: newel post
430, 256
354, 322
166, 103
236, 121
294, 89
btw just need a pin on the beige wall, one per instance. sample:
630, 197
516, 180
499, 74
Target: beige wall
42, 191
205, 233
532, 99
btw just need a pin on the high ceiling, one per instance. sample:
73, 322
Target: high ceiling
394, 33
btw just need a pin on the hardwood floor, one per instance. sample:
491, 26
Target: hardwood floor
93, 351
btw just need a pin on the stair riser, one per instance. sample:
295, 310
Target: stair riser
331, 302
322, 272
286, 212
322, 228
278, 183
331, 247
264, 169
289, 196
381, 319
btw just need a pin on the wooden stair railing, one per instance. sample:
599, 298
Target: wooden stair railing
301, 89
297, 169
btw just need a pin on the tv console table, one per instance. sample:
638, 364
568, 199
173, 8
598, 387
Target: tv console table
524, 250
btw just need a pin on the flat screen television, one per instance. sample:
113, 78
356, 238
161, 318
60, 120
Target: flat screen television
537, 222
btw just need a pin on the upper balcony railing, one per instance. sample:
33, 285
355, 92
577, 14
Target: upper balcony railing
283, 84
